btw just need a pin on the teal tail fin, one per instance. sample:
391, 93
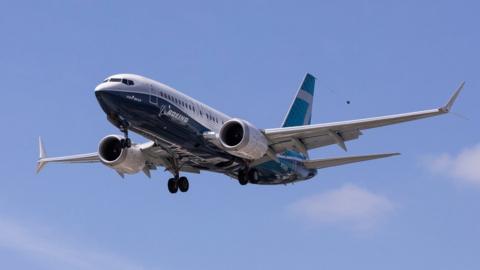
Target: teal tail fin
300, 112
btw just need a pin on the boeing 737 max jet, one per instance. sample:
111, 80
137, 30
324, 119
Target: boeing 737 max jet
186, 135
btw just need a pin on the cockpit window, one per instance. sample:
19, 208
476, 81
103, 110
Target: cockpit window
124, 81
127, 82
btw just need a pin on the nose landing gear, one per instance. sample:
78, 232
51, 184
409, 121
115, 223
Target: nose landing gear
126, 143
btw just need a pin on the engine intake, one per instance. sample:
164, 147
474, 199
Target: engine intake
125, 160
242, 139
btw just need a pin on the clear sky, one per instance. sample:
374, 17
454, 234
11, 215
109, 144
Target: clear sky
416, 211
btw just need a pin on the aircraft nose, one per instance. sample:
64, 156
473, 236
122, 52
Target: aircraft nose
100, 87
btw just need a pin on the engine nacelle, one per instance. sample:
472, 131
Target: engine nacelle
242, 139
124, 160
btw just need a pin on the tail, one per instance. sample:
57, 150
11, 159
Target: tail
300, 112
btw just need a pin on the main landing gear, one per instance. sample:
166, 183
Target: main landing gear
246, 176
176, 183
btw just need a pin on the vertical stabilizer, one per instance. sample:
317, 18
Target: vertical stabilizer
300, 112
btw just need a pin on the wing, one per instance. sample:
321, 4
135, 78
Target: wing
307, 137
82, 158
154, 155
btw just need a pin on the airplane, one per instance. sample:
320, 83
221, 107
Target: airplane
185, 135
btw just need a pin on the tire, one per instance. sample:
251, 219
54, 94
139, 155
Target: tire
242, 179
183, 184
252, 176
172, 185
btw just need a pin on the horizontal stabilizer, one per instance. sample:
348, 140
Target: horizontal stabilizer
331, 162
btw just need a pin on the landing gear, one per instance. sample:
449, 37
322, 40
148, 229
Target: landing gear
126, 143
248, 176
252, 176
242, 178
172, 185
183, 184
176, 183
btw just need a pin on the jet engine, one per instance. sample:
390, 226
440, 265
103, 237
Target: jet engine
123, 160
242, 139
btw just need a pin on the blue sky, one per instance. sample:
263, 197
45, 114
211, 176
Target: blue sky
416, 211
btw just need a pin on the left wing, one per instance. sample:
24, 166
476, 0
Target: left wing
303, 138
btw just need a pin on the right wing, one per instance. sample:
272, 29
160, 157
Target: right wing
82, 158
155, 156
303, 138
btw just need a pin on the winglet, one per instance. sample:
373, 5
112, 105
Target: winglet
41, 148
42, 155
448, 107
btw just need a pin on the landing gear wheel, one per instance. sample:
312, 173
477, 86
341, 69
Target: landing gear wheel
252, 176
126, 143
183, 184
172, 185
242, 179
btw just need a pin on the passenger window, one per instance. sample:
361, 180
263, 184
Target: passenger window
115, 80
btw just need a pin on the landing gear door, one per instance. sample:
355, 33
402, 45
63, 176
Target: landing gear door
153, 97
